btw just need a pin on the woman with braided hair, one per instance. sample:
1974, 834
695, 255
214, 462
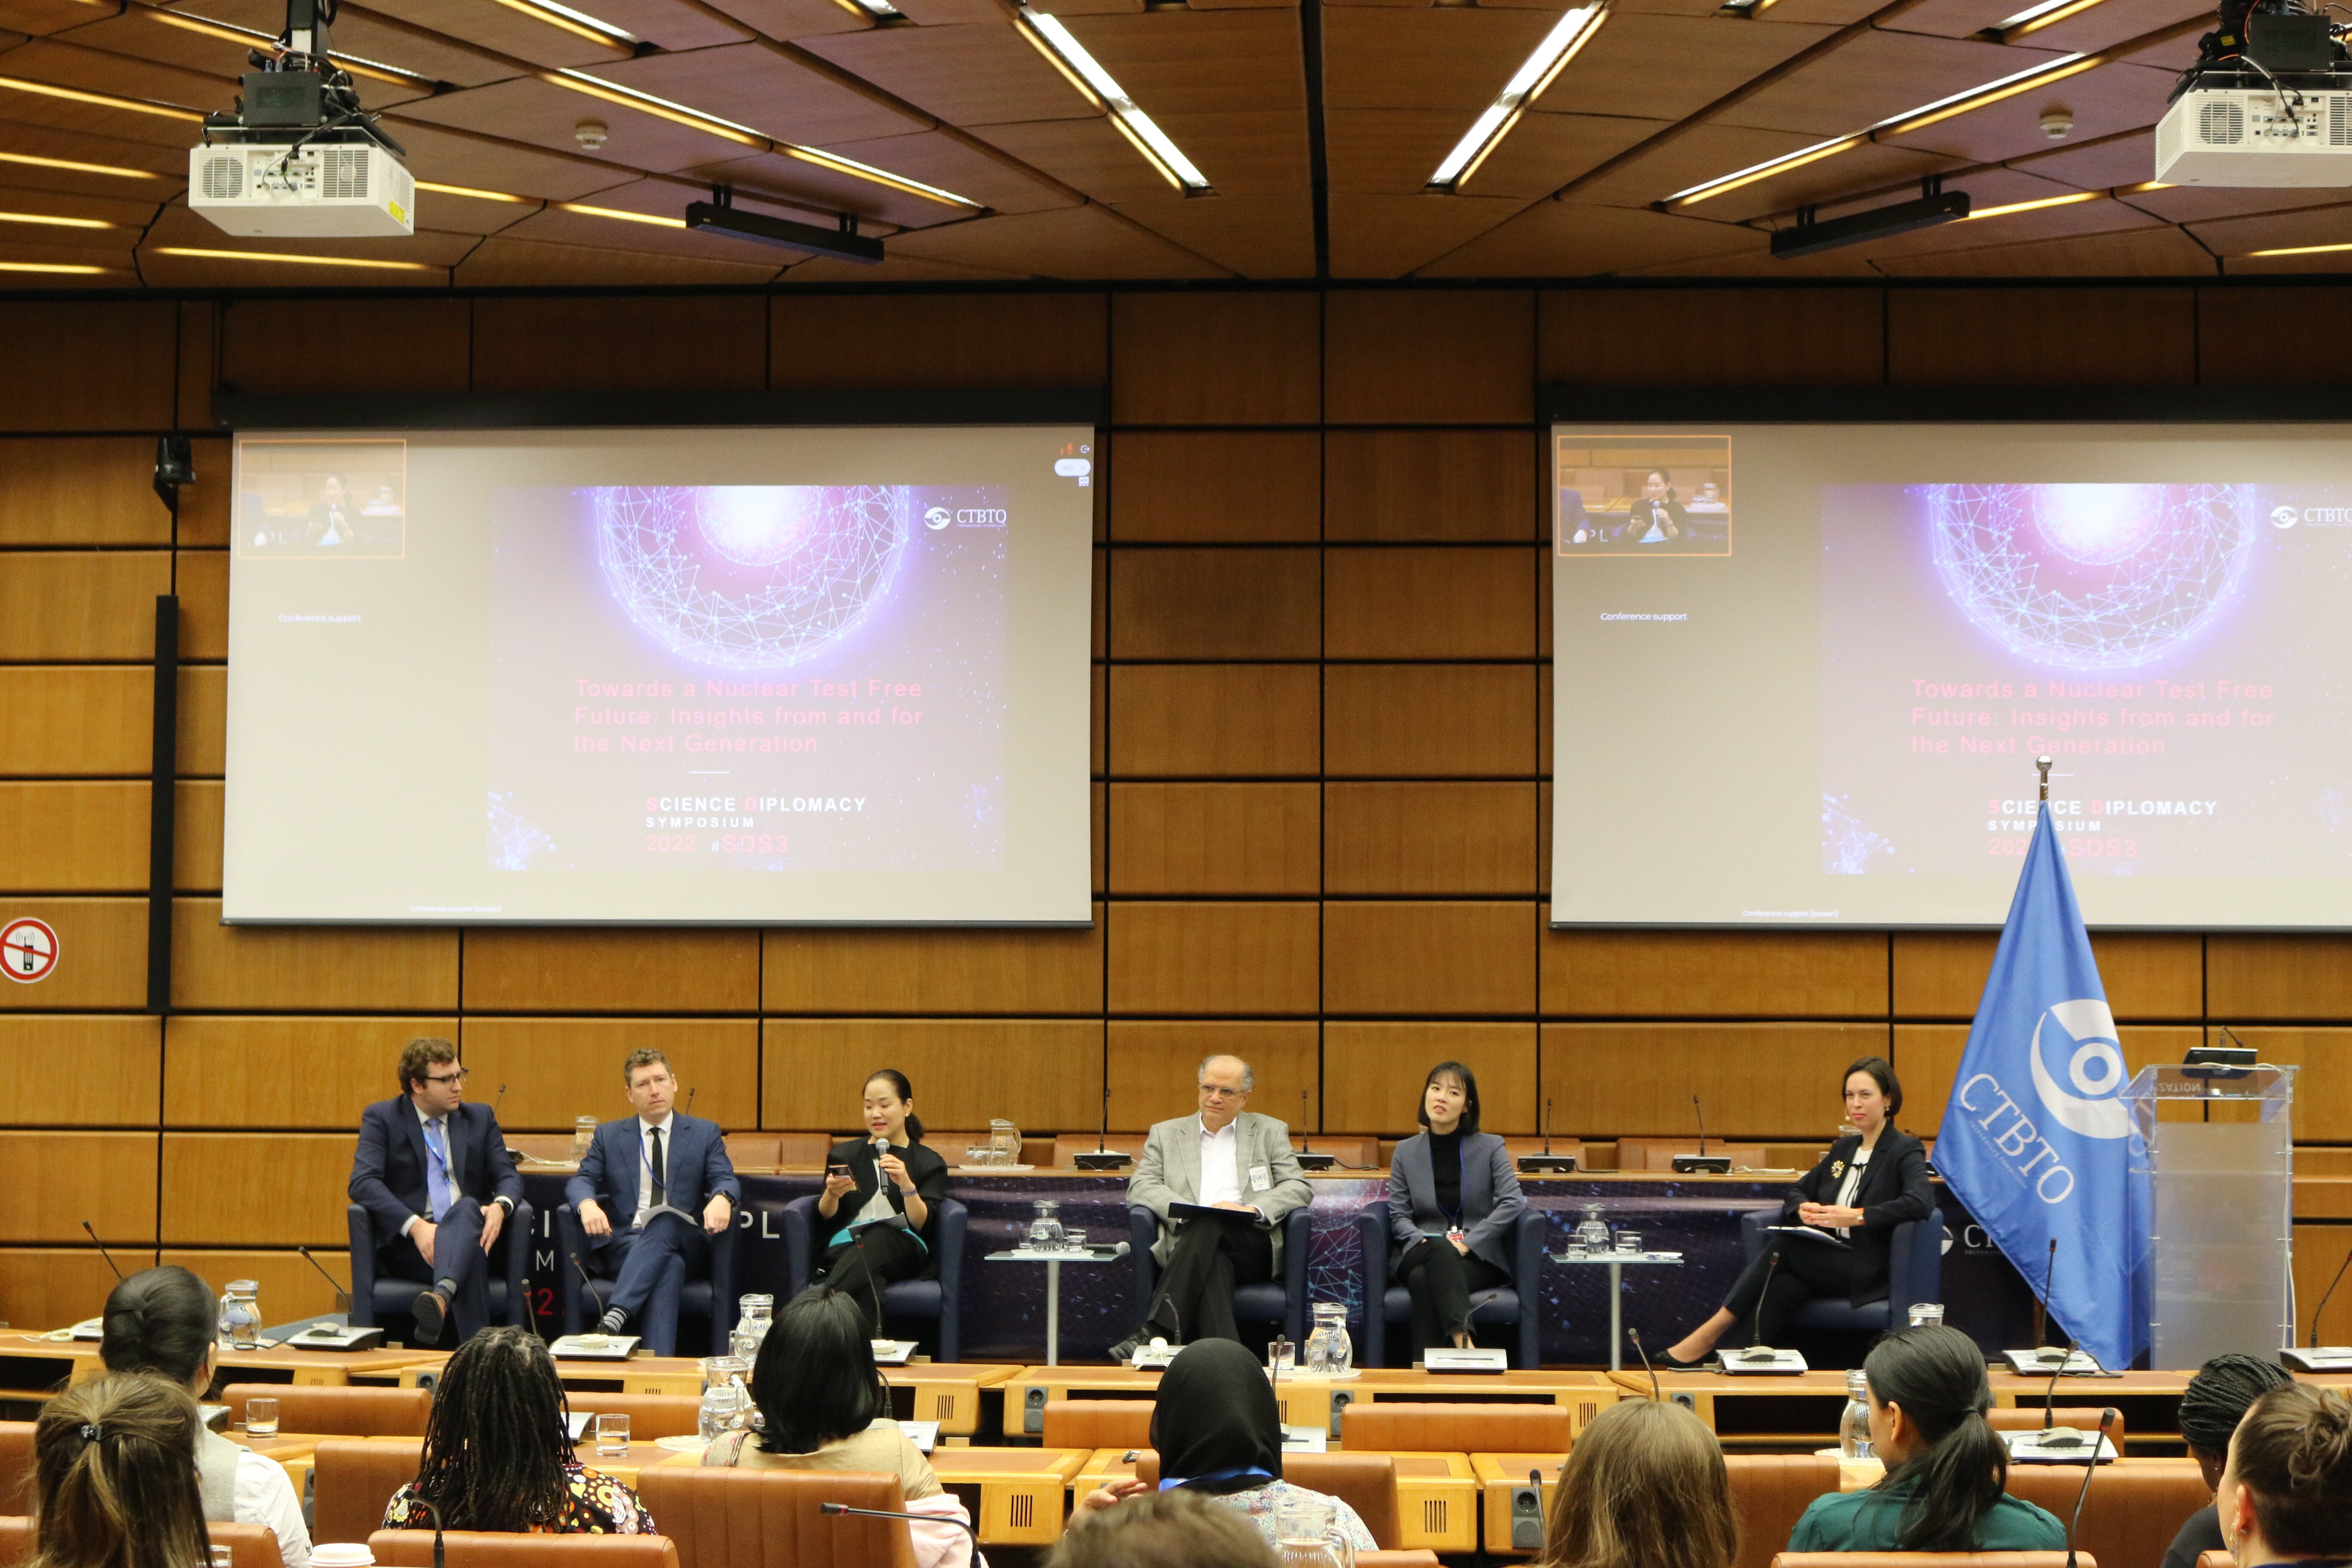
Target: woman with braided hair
2285, 1495
115, 1475
2210, 1408
498, 1452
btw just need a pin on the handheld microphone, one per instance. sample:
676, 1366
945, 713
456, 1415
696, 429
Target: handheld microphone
2107, 1420
839, 1509
2325, 1294
1635, 1335
117, 1272
342, 1297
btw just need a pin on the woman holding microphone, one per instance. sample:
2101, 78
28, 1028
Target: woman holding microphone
878, 1211
1453, 1197
1872, 1180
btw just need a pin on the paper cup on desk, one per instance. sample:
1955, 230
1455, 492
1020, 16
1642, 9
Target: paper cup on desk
339, 1554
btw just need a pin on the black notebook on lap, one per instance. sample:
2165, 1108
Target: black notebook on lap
1204, 1211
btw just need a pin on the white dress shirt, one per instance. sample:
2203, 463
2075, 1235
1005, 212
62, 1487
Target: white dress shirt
1221, 1163
645, 1164
1855, 1169
265, 1495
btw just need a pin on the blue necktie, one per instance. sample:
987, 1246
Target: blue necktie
436, 1170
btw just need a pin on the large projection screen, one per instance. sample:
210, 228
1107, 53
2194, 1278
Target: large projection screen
660, 675
1803, 672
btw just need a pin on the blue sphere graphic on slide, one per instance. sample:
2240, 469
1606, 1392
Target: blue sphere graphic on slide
750, 576
2090, 577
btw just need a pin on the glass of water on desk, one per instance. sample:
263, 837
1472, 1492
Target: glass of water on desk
1629, 1240
261, 1419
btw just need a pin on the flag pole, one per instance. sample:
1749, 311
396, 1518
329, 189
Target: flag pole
2044, 764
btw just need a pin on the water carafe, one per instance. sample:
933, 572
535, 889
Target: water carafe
240, 1315
751, 1325
1330, 1353
1854, 1426
1308, 1534
1593, 1233
1046, 1225
726, 1403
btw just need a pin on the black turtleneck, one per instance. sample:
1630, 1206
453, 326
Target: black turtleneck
1445, 1169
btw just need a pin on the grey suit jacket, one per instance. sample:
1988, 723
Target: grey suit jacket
1169, 1171
1490, 1197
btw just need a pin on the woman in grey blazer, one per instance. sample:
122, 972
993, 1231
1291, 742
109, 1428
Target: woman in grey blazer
1453, 1197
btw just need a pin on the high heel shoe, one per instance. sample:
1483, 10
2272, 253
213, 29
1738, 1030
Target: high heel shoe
1666, 1362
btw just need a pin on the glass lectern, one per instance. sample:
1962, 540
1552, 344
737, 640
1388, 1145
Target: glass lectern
2216, 1148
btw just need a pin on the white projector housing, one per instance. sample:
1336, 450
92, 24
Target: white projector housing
2245, 136
325, 190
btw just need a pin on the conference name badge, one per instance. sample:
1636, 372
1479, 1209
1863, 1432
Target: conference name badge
1260, 1178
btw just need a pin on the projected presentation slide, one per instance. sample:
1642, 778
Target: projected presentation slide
1836, 723
631, 675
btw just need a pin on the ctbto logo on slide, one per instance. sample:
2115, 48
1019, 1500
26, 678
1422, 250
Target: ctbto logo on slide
936, 518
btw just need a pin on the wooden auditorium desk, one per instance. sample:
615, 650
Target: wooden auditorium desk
1758, 1411
32, 1367
1498, 1475
1309, 1401
1022, 1490
1437, 1495
944, 1392
2149, 1403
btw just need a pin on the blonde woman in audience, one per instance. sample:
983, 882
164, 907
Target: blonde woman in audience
1645, 1487
114, 1465
1169, 1530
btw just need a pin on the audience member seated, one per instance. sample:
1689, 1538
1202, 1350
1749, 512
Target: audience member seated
1170, 1530
2210, 1409
884, 1231
498, 1455
1219, 1432
1643, 1487
1946, 1468
164, 1321
115, 1484
822, 1401
2285, 1495
1454, 1196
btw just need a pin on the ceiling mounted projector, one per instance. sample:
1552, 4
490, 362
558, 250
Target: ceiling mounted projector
2268, 103
300, 157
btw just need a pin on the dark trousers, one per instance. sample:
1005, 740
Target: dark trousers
648, 1270
1209, 1259
872, 1257
1807, 1270
459, 1269
1440, 1280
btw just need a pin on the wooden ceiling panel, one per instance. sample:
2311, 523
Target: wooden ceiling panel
1201, 62
809, 192
558, 226
1997, 188
2113, 21
1075, 242
178, 228
453, 155
1394, 237
39, 18
137, 34
1713, 151
1565, 239
119, 269
2104, 101
2159, 252
1086, 155
1544, 152
168, 165
65, 64
674, 24
1245, 154
97, 120
1877, 75
1255, 236
2235, 238
1652, 67
1813, 13
1764, 264
532, 113
2208, 204
1695, 8
448, 213
500, 262
366, 36
1451, 58
949, 13
933, 157
495, 26
895, 270
127, 215
1394, 152
756, 85
969, 75
1957, 19
1067, 8
793, 20
2095, 163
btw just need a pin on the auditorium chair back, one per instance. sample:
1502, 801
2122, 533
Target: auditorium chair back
1770, 1492
724, 1518
2021, 1419
352, 1478
1420, 1557
1404, 1426
652, 1416
2134, 1510
349, 1411
802, 1150
249, 1545
1930, 1560
487, 1548
1365, 1482
2212, 1560
1095, 1423
752, 1150
15, 1466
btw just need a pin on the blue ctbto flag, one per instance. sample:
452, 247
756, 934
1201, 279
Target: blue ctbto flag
2037, 1140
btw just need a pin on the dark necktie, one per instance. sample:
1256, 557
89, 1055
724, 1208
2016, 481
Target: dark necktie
661, 1182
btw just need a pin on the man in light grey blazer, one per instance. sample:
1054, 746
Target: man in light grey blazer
1224, 1157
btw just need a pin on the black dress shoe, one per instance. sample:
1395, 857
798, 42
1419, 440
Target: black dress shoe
431, 1311
1668, 1363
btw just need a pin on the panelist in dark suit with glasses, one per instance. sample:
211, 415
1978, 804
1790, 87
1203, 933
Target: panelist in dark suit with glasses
433, 1173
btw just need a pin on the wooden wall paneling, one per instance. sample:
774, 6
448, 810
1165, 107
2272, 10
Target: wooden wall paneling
80, 490
413, 344
1448, 602
73, 836
61, 1179
246, 968
199, 365
1041, 1074
1736, 974
1213, 487
1454, 485
44, 1288
257, 1189
1449, 358
2148, 975
87, 366
1099, 836
2265, 976
934, 969
1546, 753
1098, 719
1712, 337
1926, 1058
519, 969
82, 605
197, 835
2323, 1089
2318, 1251
1155, 1067
555, 1069
2109, 337
66, 719
1201, 604
1409, 720
305, 1073
1772, 1080
1241, 959
1373, 1073
204, 500
938, 340
2250, 335
200, 577
1543, 845
1099, 599
101, 955
289, 1288
1429, 957
685, 343
96, 1069
1466, 838
1211, 839
1210, 721
1216, 359
202, 739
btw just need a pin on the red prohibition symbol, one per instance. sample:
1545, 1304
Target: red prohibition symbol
28, 949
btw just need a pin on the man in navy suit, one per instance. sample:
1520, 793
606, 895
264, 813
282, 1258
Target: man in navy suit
654, 1158
435, 1173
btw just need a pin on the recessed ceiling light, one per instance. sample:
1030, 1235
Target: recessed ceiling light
231, 33
46, 219
104, 99
2066, 201
587, 210
78, 168
78, 271
470, 191
2033, 18
297, 260
1559, 46
596, 29
1060, 46
2300, 250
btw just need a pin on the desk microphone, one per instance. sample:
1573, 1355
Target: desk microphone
1755, 1324
1308, 1159
1635, 1335
2049, 1394
117, 1272
1103, 1157
1547, 1161
500, 1101
439, 1560
2041, 1300
838, 1509
1702, 1163
342, 1297
2325, 1294
2107, 1420
586, 1282
690, 1099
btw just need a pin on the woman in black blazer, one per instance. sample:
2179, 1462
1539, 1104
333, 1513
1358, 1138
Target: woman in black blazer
1453, 1195
879, 1212
1871, 1181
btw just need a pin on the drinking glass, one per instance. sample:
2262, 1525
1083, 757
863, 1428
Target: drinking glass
1926, 1312
583, 1136
261, 1418
612, 1435
1074, 1240
1629, 1240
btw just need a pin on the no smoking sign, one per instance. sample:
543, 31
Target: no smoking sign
28, 949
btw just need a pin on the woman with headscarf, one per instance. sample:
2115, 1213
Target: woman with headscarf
1219, 1432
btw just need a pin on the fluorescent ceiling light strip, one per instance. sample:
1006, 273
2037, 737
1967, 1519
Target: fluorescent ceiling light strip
620, 34
585, 209
2299, 250
78, 168
598, 33
301, 260
55, 222
470, 191
235, 35
103, 99
2075, 9
52, 266
1535, 73
851, 166
1771, 166
2064, 200
1062, 45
